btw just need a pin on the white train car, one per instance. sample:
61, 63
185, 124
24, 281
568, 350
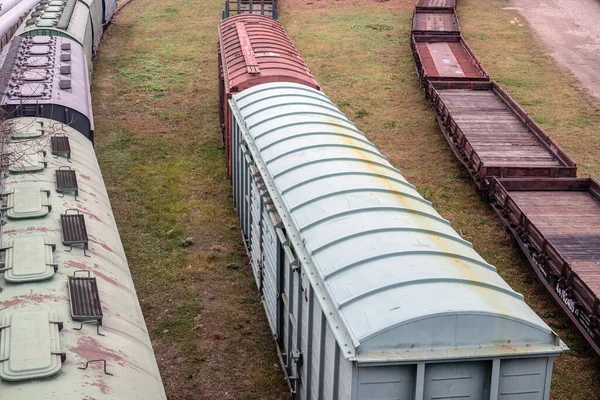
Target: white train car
369, 292
71, 326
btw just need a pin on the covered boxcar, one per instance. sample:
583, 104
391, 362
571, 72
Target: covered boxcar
78, 20
555, 222
369, 292
446, 58
71, 326
47, 76
254, 50
493, 136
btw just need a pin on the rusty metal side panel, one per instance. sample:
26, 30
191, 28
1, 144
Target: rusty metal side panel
446, 58
437, 22
253, 50
555, 223
493, 137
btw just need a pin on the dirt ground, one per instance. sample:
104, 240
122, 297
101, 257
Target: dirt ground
571, 29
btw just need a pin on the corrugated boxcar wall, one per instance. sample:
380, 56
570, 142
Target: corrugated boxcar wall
311, 356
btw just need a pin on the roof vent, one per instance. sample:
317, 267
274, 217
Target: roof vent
74, 232
65, 57
66, 46
36, 14
65, 69
65, 84
30, 22
39, 8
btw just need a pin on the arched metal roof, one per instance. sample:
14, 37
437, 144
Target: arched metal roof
35, 295
255, 50
395, 275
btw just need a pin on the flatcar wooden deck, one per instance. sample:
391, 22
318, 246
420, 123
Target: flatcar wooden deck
557, 224
442, 22
446, 58
493, 136
436, 4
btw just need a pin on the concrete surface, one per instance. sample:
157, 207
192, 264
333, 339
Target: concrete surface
571, 28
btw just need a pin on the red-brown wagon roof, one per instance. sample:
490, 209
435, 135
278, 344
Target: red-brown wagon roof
255, 50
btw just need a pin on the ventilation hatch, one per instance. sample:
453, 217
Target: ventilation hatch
25, 129
66, 181
41, 39
30, 345
46, 23
37, 61
29, 259
31, 90
35, 75
27, 201
49, 15
39, 49
65, 84
26, 161
60, 146
84, 298
74, 231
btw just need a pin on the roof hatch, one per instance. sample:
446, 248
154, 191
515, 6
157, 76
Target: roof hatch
27, 201
30, 345
27, 161
27, 130
29, 259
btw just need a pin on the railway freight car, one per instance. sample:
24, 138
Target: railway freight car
70, 322
78, 20
436, 5
435, 22
47, 76
493, 136
445, 58
254, 50
266, 8
12, 18
368, 291
555, 222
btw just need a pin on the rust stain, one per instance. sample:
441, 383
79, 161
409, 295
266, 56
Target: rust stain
31, 298
113, 282
88, 348
86, 177
76, 264
103, 245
